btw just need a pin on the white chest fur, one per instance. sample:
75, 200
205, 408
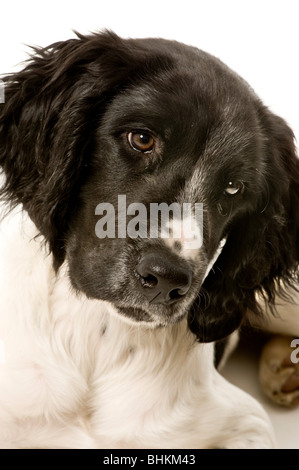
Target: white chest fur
76, 375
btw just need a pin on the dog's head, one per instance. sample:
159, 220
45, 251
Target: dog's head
100, 120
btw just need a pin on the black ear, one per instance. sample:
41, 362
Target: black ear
48, 122
261, 254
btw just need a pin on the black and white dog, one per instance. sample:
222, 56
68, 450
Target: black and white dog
110, 342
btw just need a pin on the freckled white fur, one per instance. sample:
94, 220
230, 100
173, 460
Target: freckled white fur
75, 374
187, 231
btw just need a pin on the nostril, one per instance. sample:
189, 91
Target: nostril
175, 294
145, 274
148, 281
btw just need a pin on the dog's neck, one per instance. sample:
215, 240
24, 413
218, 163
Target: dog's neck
110, 340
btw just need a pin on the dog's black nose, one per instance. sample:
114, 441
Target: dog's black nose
161, 280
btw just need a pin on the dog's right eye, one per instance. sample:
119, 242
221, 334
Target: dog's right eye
141, 141
234, 188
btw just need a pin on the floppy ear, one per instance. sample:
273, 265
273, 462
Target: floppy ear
48, 122
261, 254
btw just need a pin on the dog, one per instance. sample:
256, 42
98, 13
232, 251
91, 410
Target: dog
111, 341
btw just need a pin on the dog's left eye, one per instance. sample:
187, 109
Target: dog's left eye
141, 141
233, 188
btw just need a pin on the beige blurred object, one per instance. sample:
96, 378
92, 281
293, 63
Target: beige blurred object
278, 373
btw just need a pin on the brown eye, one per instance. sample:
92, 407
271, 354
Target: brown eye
141, 141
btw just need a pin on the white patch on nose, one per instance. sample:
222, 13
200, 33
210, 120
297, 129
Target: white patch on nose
186, 231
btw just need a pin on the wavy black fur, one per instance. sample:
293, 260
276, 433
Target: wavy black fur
260, 257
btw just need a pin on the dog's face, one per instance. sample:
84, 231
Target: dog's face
158, 122
173, 137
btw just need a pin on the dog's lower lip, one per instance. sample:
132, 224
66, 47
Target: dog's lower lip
135, 313
138, 314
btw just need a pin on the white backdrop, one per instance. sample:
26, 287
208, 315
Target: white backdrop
257, 38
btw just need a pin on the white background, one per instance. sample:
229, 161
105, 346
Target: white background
259, 39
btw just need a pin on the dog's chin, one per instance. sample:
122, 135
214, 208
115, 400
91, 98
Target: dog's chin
140, 316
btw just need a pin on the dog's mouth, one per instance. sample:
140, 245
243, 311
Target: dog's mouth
135, 314
140, 315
